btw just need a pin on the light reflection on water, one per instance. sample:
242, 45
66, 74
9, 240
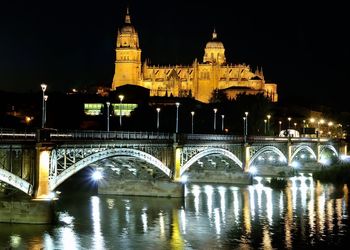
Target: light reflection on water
307, 214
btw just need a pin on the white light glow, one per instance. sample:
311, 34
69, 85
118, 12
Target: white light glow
295, 164
345, 157
184, 178
324, 161
97, 175
252, 170
209, 192
144, 220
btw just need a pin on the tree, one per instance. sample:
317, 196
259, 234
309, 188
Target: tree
218, 96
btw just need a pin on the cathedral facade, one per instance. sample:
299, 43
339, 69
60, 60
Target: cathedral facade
198, 80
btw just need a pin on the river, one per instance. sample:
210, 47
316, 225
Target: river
305, 215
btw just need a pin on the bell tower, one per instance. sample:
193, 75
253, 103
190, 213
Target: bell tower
128, 56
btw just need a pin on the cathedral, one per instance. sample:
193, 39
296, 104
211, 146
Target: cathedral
198, 80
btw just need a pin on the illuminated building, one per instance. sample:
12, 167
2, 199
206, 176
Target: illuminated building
198, 80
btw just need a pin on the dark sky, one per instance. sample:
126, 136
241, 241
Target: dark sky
301, 46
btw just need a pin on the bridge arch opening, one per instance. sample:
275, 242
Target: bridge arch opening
328, 155
55, 181
264, 156
211, 151
304, 153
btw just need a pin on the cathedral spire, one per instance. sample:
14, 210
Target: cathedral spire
127, 16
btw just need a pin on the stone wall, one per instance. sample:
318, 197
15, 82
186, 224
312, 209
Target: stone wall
27, 211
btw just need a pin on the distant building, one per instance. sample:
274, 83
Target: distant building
198, 80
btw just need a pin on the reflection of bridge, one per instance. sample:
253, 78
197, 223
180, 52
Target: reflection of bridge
38, 163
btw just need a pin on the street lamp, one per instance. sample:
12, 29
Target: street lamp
268, 123
121, 97
222, 122
43, 88
289, 122
107, 104
177, 117
246, 123
215, 110
280, 126
265, 121
158, 110
244, 129
192, 114
45, 109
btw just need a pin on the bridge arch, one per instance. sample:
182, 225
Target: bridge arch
331, 147
267, 148
208, 152
16, 181
76, 167
303, 147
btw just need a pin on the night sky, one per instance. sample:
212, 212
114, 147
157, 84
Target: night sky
303, 47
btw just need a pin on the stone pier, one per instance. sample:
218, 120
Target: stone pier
27, 211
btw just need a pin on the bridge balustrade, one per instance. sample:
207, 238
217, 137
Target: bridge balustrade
213, 137
13, 135
113, 135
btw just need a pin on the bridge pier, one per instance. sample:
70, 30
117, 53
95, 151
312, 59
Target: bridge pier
246, 158
318, 152
289, 153
42, 169
37, 207
343, 149
27, 211
177, 162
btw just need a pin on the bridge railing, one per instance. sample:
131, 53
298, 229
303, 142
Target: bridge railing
285, 139
9, 134
112, 135
213, 137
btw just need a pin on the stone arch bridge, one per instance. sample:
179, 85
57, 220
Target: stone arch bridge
37, 163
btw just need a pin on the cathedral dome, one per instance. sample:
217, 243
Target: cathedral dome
214, 43
214, 51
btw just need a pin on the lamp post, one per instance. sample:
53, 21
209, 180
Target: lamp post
244, 129
268, 124
246, 124
107, 104
222, 123
280, 126
289, 122
192, 114
43, 88
45, 110
177, 117
121, 97
265, 121
158, 110
215, 110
